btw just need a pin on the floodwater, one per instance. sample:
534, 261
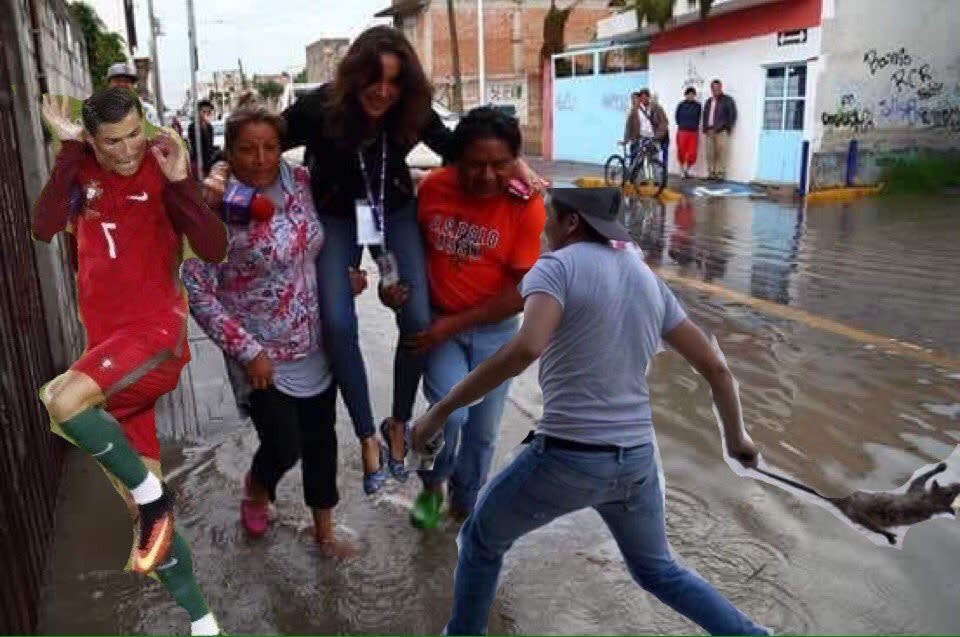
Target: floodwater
831, 409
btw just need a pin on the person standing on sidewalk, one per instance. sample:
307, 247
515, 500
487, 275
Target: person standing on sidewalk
688, 130
480, 240
129, 209
261, 308
719, 117
597, 315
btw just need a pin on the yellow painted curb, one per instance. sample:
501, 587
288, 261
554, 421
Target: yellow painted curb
629, 189
843, 194
822, 323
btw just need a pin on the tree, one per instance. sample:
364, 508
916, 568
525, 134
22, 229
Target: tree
658, 12
457, 106
269, 90
554, 26
103, 47
301, 77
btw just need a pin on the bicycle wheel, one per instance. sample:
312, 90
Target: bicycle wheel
649, 177
615, 171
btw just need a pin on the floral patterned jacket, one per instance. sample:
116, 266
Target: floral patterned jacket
264, 297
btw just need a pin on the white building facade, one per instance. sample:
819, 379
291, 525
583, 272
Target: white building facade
808, 77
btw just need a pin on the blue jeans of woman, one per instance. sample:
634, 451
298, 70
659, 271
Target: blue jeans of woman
470, 433
544, 483
339, 315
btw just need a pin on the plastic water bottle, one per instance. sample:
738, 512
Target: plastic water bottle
424, 461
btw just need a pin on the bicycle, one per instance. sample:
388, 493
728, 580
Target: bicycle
645, 169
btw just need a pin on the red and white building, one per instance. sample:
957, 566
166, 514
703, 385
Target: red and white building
825, 72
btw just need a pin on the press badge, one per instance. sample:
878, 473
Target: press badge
367, 232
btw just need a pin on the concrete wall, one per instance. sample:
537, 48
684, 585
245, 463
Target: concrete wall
891, 75
740, 65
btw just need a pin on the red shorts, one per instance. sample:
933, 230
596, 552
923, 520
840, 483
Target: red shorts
134, 367
687, 146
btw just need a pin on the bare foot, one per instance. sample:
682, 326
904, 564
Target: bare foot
370, 450
396, 429
340, 548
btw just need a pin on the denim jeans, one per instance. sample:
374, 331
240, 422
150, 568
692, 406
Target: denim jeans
339, 315
470, 433
544, 483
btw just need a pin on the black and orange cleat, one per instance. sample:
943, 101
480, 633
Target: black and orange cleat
156, 533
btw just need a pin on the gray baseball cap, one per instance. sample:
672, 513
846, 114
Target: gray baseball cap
122, 69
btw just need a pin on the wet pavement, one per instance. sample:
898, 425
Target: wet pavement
829, 408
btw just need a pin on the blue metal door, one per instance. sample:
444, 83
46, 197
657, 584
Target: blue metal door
781, 137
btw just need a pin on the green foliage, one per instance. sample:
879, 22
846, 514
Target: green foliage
658, 12
269, 90
301, 77
103, 47
924, 173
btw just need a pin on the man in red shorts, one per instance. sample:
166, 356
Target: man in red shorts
129, 210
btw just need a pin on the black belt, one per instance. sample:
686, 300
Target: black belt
572, 445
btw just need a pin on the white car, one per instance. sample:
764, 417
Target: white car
421, 156
219, 134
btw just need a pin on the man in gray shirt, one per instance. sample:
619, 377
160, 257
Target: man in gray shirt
595, 315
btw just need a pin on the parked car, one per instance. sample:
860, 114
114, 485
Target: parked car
421, 156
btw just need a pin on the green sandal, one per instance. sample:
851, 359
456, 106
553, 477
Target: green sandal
427, 510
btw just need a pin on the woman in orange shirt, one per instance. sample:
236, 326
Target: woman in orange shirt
479, 242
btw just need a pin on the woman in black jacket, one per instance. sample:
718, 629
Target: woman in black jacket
358, 131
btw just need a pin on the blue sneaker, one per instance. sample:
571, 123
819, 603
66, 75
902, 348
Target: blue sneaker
397, 467
374, 481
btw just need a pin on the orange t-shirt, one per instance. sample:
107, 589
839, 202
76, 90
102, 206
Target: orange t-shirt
474, 245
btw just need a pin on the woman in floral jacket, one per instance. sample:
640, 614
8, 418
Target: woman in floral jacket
261, 308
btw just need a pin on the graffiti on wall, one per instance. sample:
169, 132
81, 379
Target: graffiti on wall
907, 93
692, 79
849, 115
619, 102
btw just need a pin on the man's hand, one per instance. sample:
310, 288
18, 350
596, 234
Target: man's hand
440, 330
394, 296
425, 427
215, 184
358, 280
260, 371
56, 112
170, 155
744, 451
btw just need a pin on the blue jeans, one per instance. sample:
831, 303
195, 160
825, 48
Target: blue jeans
544, 483
339, 315
470, 433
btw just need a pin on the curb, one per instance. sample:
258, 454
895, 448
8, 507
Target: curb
843, 194
629, 190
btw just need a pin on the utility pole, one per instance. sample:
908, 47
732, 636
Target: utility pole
154, 28
243, 78
481, 57
194, 67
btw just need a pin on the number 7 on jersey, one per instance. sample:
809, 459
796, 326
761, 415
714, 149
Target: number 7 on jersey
111, 244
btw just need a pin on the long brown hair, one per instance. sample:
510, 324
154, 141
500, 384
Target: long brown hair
360, 68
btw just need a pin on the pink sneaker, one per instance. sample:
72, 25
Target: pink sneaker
254, 515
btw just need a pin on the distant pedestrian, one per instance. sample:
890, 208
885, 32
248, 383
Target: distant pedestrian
688, 116
647, 122
719, 117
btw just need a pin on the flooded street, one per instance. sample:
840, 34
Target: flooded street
800, 301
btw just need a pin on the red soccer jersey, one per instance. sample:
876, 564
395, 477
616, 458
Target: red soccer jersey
128, 252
